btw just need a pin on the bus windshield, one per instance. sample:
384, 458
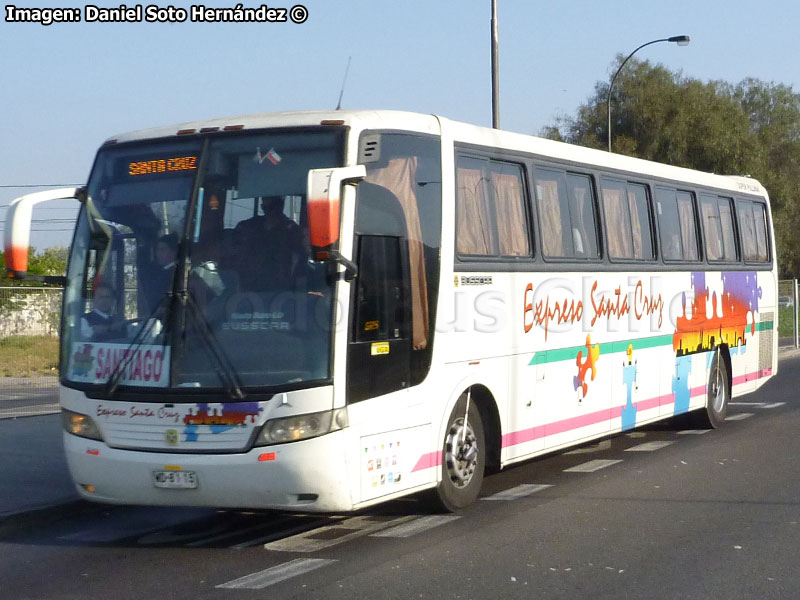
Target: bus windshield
191, 267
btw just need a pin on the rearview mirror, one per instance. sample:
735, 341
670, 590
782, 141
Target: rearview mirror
18, 229
324, 200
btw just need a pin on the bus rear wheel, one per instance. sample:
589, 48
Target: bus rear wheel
718, 395
463, 458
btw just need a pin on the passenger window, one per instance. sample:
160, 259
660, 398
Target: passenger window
640, 222
719, 228
762, 246
688, 224
748, 232
753, 227
475, 234
677, 222
728, 231
490, 209
582, 216
551, 194
567, 214
509, 206
628, 221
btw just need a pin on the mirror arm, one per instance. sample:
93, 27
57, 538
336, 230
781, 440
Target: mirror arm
350, 268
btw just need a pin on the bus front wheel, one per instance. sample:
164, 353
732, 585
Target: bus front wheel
463, 458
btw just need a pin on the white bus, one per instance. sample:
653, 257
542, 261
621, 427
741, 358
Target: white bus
321, 311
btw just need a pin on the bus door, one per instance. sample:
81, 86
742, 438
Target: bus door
379, 349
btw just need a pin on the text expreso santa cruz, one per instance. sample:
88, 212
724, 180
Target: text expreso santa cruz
153, 13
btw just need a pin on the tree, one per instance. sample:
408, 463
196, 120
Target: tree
52, 261
752, 128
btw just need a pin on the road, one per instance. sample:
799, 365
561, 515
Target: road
25, 396
671, 513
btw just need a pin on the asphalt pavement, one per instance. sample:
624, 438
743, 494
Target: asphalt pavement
28, 396
33, 468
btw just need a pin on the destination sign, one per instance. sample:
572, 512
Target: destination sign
162, 165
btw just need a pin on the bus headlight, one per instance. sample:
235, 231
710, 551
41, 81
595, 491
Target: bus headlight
302, 427
80, 425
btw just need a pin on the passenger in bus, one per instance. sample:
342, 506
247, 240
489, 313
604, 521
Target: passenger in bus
672, 249
101, 324
166, 254
270, 249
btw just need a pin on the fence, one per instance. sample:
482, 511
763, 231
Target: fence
788, 313
29, 319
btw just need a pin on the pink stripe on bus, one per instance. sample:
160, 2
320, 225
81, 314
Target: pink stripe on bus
428, 461
434, 459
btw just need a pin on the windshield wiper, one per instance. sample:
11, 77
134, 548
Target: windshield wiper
162, 309
225, 369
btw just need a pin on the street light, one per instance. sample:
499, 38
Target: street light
495, 74
681, 40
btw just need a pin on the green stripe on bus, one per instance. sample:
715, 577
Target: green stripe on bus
765, 325
550, 356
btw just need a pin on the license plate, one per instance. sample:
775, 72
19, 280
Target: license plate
176, 480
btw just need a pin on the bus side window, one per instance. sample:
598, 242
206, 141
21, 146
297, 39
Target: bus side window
629, 223
719, 228
582, 216
677, 222
688, 225
567, 215
753, 228
762, 244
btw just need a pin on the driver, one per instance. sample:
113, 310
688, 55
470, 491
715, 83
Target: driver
270, 248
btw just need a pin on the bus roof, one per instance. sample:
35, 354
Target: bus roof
459, 132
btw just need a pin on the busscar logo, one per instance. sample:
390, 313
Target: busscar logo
476, 280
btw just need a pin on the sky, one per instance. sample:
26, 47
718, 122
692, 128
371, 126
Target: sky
67, 87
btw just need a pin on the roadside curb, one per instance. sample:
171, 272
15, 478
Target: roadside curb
788, 352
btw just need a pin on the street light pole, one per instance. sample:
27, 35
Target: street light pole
495, 74
681, 40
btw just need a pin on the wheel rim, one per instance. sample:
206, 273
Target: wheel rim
717, 391
461, 454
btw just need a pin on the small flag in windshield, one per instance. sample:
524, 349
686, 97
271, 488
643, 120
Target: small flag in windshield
271, 156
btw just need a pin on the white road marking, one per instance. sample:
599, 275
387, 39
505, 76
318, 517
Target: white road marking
332, 535
526, 489
592, 466
773, 405
416, 526
301, 528
276, 574
649, 446
693, 431
739, 417
746, 403
603, 445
